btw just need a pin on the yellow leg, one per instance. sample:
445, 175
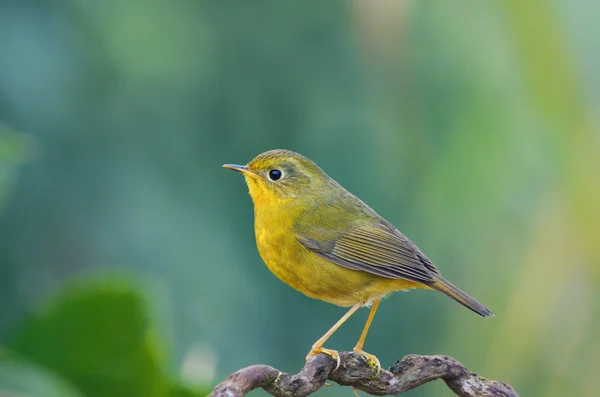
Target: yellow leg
361, 341
318, 345
363, 336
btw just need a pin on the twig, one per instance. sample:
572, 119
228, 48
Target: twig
408, 373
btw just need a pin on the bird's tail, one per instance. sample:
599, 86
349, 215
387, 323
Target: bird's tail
440, 284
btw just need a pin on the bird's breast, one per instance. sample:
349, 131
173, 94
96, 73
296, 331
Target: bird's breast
281, 252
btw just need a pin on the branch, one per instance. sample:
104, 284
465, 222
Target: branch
410, 372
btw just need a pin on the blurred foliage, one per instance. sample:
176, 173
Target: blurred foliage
98, 336
24, 378
472, 127
14, 149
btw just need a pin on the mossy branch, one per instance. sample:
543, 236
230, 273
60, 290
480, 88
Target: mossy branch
410, 372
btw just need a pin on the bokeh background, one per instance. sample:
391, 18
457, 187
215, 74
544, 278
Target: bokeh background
127, 258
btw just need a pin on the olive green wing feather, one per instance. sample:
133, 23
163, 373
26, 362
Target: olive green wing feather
373, 246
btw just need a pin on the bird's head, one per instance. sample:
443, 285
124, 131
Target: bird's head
281, 175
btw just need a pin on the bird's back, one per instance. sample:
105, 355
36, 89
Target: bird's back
359, 239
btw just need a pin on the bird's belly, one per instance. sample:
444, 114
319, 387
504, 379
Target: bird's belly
319, 278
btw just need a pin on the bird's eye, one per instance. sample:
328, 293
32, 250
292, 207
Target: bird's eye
275, 175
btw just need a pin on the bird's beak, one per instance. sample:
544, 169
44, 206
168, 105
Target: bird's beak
240, 168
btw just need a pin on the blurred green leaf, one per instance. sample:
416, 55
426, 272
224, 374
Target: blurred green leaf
178, 390
98, 336
23, 378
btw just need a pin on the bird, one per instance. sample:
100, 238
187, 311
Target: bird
322, 240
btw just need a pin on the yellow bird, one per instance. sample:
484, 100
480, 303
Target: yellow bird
320, 239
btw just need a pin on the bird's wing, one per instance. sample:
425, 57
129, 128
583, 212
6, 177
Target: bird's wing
375, 247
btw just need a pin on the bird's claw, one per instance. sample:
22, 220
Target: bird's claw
333, 353
370, 358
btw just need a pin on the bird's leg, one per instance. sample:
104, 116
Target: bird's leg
359, 345
318, 345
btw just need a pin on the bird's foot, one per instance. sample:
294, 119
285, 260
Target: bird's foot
374, 361
319, 349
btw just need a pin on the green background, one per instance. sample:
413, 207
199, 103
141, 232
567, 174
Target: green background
127, 258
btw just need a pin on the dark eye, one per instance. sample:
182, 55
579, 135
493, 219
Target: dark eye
275, 175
